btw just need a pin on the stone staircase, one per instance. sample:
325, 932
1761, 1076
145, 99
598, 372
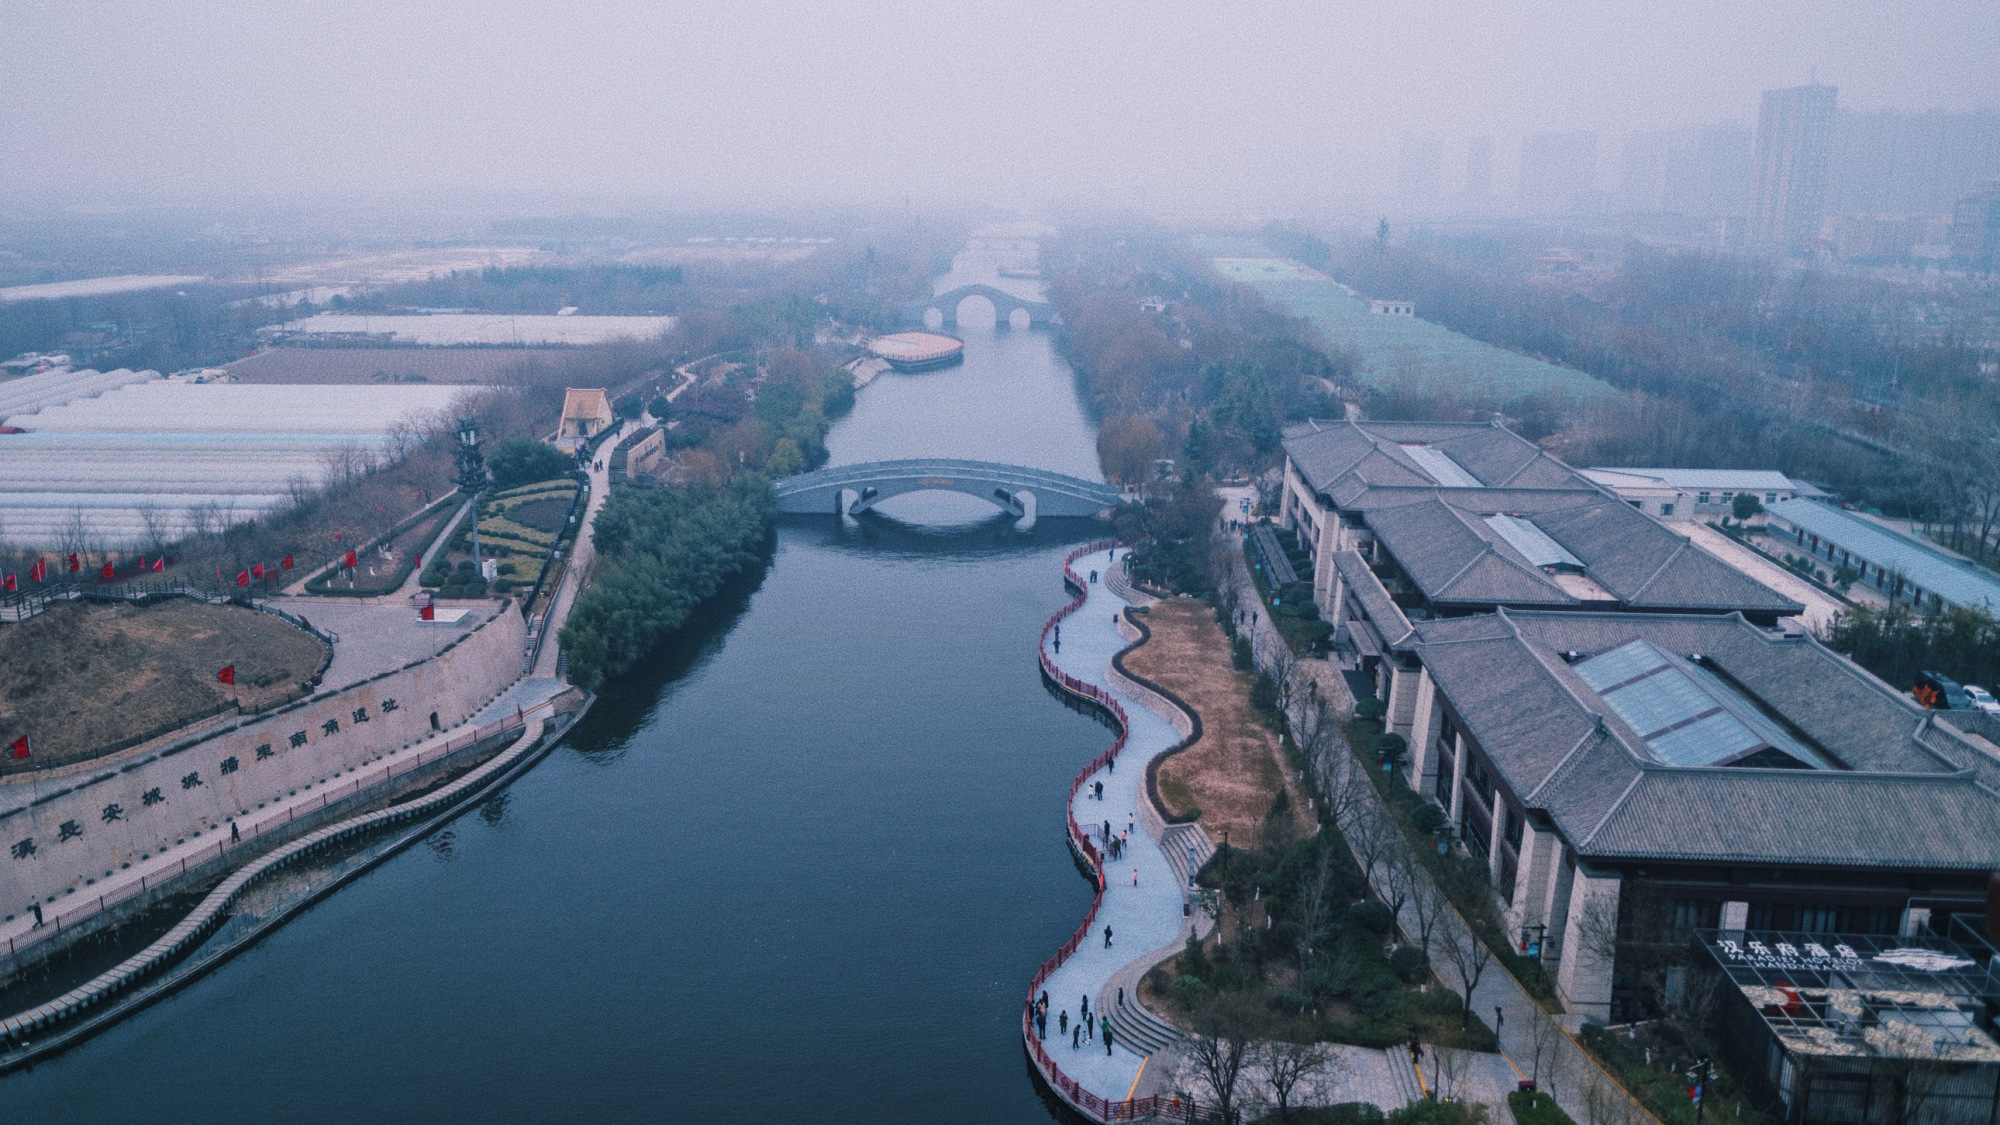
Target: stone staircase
1404, 1076
1134, 1026
1179, 840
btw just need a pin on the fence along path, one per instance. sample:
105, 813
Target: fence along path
1087, 1102
194, 928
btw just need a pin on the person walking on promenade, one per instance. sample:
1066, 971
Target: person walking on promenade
1062, 1021
235, 836
1107, 1035
1086, 1008
1107, 937
1121, 996
37, 908
1098, 789
1076, 1037
1129, 819
1042, 1025
1135, 876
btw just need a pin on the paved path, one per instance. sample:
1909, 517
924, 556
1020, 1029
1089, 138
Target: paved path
1820, 605
582, 553
1143, 918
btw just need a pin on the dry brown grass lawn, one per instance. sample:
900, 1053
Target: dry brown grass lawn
84, 676
1234, 771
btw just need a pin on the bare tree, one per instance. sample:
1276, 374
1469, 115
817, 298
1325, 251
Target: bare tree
154, 521
1224, 1032
1544, 1044
1596, 928
1282, 665
1399, 877
1316, 903
73, 535
202, 519
1428, 908
1449, 1065
1288, 1064
1371, 836
1468, 957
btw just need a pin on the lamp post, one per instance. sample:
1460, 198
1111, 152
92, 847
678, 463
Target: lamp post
471, 480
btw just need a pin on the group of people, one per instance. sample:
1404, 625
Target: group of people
1085, 1029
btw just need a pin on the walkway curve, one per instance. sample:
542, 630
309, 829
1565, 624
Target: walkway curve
192, 930
1074, 1092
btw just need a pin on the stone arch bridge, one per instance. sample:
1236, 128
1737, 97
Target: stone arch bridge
1018, 491
1004, 305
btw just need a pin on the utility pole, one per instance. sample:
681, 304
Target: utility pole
471, 480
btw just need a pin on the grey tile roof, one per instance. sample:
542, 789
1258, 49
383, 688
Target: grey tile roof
1960, 583
1439, 537
1366, 589
1912, 795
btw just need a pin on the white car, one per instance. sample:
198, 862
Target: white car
1983, 699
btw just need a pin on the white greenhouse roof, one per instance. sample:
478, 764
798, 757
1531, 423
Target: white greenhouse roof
1727, 480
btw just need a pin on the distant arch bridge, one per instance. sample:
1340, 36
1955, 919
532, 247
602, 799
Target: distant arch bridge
1018, 491
1004, 305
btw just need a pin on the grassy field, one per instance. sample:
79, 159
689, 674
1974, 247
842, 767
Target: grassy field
1392, 350
85, 677
1234, 772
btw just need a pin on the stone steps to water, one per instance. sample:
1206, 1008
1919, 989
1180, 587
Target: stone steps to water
1134, 1026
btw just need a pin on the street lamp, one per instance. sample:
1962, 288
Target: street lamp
471, 480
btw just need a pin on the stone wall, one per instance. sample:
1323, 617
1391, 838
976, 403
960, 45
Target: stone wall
57, 838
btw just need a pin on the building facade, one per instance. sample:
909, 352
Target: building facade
1794, 140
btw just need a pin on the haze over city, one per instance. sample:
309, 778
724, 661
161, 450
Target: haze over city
1272, 106
1264, 564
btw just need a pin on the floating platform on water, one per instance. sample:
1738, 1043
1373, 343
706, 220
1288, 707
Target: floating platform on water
918, 351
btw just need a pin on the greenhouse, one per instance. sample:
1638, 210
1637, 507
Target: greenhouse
149, 447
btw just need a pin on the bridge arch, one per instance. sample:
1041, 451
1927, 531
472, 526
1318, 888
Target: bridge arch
1005, 304
1014, 489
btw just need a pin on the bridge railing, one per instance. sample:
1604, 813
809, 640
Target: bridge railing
1090, 1104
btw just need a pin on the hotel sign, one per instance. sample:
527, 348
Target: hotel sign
1809, 956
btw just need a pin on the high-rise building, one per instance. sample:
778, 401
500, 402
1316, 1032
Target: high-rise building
1892, 162
1479, 169
1700, 172
1975, 229
1794, 138
1558, 172
1420, 171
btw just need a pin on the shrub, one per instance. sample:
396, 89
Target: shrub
509, 569
1370, 708
1371, 916
520, 460
1537, 1109
1346, 1113
1409, 963
1188, 992
436, 573
660, 408
1427, 1112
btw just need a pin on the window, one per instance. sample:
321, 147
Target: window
1666, 509
1513, 830
1478, 782
1728, 496
1701, 498
1770, 498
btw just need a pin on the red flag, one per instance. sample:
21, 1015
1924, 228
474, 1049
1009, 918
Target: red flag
11, 587
109, 572
74, 564
257, 570
40, 571
336, 537
351, 561
427, 613
227, 675
419, 560
20, 747
161, 564
286, 563
242, 578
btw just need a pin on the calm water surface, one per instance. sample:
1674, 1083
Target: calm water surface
798, 867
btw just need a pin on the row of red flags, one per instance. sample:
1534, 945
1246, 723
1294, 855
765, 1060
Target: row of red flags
40, 571
21, 747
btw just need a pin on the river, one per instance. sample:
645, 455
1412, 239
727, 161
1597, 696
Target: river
799, 866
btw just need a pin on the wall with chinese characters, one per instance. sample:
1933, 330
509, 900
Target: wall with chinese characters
123, 815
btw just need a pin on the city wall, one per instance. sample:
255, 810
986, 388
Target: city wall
60, 836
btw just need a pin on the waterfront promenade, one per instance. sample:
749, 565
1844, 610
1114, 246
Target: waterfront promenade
1143, 918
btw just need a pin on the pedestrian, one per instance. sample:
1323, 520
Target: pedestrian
1111, 554
1086, 1007
1062, 1021
1107, 832
1107, 937
1121, 996
1076, 1036
1135, 876
37, 908
235, 837
1100, 794
1499, 1019
1129, 818
1042, 1025
1107, 1035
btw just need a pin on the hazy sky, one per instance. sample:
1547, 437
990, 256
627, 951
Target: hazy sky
1163, 104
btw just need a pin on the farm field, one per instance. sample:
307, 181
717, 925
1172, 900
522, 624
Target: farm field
328, 366
1430, 358
95, 286
453, 329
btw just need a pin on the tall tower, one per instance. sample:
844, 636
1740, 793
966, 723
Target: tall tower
1479, 169
1419, 171
1794, 137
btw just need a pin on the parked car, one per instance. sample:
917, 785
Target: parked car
1940, 692
1983, 699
